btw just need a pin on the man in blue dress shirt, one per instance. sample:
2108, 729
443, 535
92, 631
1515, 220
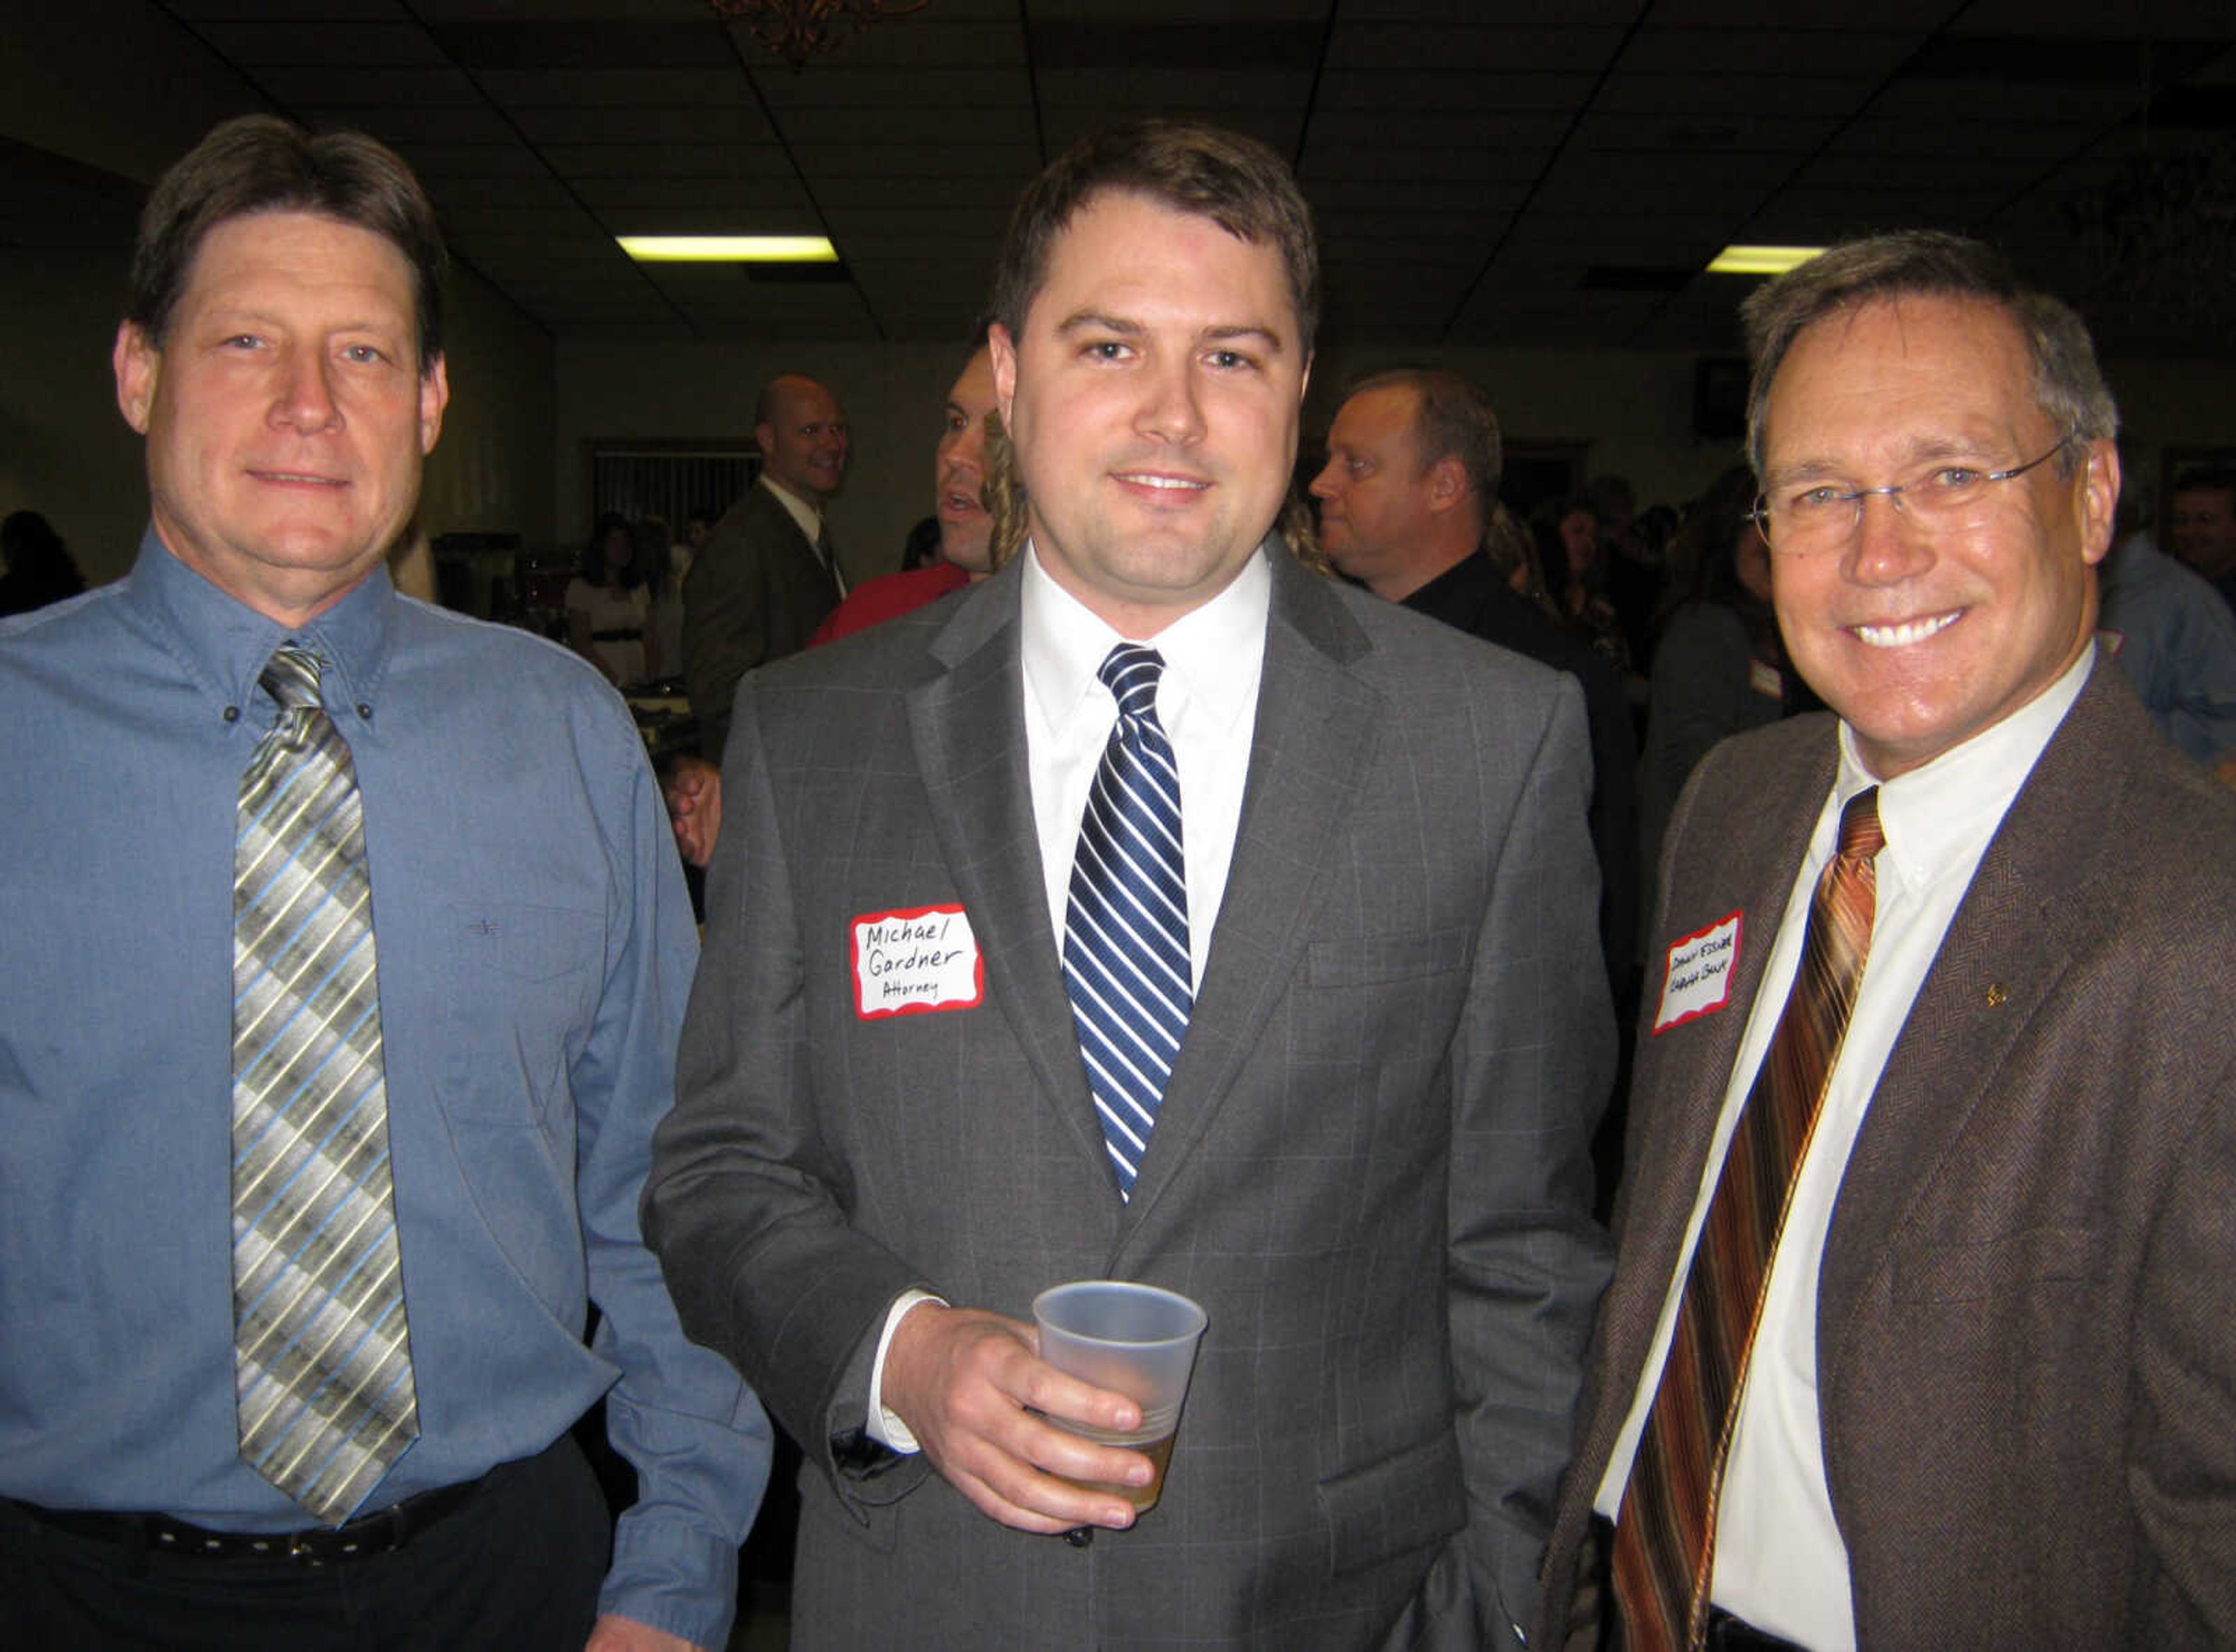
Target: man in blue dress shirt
283, 357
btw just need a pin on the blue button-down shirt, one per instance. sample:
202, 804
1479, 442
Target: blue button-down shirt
535, 946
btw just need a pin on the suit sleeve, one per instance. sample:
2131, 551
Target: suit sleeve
696, 1434
725, 630
1532, 1065
745, 1205
2181, 1471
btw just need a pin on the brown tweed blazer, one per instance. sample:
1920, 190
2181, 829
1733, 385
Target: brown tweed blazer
2027, 1315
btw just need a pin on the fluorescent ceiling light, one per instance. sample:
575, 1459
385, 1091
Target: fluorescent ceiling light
1760, 260
729, 249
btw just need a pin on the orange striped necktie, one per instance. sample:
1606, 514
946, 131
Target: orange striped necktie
1666, 1530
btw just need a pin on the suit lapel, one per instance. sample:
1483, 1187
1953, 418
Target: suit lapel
1312, 742
969, 729
2007, 933
1745, 863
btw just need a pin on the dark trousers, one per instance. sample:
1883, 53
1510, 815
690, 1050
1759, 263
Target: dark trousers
517, 1567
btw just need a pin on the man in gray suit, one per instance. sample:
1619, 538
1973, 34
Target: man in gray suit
1368, 1156
766, 576
1979, 1389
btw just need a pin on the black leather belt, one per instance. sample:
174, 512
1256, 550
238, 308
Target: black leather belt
382, 1533
1729, 1634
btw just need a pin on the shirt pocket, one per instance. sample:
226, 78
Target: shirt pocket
519, 986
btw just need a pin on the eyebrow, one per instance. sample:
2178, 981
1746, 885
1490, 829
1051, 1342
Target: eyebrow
235, 315
1922, 449
1084, 320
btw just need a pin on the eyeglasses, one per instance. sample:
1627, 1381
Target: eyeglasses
1801, 522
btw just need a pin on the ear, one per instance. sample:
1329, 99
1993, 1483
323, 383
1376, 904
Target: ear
2098, 489
138, 364
1003, 350
765, 439
434, 397
1447, 482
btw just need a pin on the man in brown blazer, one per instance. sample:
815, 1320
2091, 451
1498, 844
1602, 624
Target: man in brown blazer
1986, 1355
766, 577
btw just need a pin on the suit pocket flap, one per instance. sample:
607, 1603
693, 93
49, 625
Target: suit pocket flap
1373, 958
1402, 1503
2011, 1261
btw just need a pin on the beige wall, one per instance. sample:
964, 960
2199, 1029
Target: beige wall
66, 450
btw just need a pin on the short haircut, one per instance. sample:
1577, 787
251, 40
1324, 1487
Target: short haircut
1452, 419
1928, 263
1237, 182
258, 163
2208, 478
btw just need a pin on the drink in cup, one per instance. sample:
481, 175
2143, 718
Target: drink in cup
1136, 1340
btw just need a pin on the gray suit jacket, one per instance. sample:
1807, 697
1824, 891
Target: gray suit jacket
2025, 1328
754, 593
1370, 1166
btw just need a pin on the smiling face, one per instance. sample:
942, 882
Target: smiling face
2202, 529
1923, 638
286, 415
804, 445
966, 531
1153, 398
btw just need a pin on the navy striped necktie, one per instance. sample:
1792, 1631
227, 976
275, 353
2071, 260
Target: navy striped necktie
1665, 1535
1125, 930
327, 1401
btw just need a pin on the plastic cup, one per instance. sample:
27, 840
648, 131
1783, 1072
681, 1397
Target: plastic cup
1134, 1339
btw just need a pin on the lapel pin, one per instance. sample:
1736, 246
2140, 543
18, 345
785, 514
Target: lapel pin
1996, 996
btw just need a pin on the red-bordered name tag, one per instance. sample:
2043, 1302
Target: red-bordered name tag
1698, 981
914, 961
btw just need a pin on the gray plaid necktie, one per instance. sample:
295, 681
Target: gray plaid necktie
323, 1366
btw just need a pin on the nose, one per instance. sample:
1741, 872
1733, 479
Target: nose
304, 397
1323, 486
1170, 407
1890, 544
967, 447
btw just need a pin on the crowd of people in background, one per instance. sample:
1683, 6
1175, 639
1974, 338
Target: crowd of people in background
1913, 1327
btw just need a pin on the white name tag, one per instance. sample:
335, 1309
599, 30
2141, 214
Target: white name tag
906, 962
1699, 980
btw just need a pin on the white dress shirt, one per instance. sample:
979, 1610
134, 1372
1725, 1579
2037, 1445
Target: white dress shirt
1214, 656
1779, 1561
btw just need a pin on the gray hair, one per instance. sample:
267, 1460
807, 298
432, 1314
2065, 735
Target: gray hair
2068, 386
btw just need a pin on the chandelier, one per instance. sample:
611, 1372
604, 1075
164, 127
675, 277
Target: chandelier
796, 29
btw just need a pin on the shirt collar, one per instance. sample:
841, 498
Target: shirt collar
1213, 654
1943, 813
226, 642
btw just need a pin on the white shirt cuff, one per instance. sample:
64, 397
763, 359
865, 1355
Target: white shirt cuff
884, 1427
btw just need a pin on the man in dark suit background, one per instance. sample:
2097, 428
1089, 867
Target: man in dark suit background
1984, 1358
1406, 496
1367, 1158
766, 577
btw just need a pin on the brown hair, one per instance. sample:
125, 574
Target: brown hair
1237, 182
258, 163
1451, 417
1930, 263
